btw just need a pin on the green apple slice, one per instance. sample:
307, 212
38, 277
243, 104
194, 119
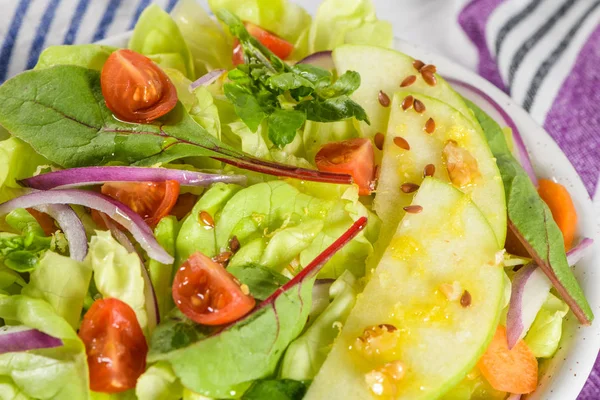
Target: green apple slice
439, 335
456, 150
384, 70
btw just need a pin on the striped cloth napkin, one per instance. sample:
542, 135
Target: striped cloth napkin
543, 53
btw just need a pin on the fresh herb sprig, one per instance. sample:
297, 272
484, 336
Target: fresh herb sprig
265, 87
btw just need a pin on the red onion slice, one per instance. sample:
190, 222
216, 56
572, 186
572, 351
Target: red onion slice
22, 338
530, 288
322, 59
482, 96
114, 209
71, 225
149, 293
578, 252
207, 78
75, 177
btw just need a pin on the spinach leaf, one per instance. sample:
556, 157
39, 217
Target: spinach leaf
261, 281
248, 349
61, 113
265, 87
276, 389
531, 221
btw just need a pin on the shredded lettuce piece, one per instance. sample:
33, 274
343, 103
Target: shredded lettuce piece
92, 56
544, 335
159, 383
18, 160
161, 275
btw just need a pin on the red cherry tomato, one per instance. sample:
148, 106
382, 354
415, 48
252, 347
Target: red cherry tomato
46, 222
354, 157
280, 47
135, 88
115, 346
151, 200
184, 205
207, 294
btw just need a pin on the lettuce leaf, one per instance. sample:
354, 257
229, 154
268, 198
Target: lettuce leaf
57, 373
92, 56
340, 22
544, 335
161, 275
159, 383
17, 161
276, 389
63, 283
305, 355
157, 36
118, 274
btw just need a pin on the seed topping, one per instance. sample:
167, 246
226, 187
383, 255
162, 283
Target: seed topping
409, 187
409, 80
429, 170
413, 209
379, 139
429, 78
407, 102
430, 126
206, 219
418, 64
429, 68
401, 142
465, 299
234, 244
223, 258
419, 106
384, 99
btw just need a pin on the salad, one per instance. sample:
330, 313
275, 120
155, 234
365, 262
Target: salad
262, 204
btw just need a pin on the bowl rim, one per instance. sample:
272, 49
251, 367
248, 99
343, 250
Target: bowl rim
561, 380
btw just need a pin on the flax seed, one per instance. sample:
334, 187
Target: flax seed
401, 142
206, 219
429, 78
234, 244
465, 299
409, 187
418, 64
419, 106
429, 68
430, 126
409, 80
379, 139
384, 99
414, 209
407, 102
429, 170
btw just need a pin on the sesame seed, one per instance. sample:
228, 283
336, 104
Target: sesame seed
418, 64
419, 106
429, 77
465, 299
234, 244
206, 219
409, 187
407, 102
429, 170
379, 139
430, 126
384, 99
401, 142
409, 80
429, 68
414, 209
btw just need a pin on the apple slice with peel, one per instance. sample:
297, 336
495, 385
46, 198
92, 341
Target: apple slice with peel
384, 70
428, 312
439, 136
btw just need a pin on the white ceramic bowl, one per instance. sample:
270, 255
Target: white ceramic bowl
565, 374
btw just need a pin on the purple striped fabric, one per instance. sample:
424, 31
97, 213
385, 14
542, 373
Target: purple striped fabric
573, 120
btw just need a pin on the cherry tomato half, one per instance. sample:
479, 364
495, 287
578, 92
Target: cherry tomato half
207, 294
280, 47
184, 205
135, 88
354, 157
46, 222
151, 200
115, 346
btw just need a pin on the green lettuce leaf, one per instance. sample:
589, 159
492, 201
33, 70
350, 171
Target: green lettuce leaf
261, 281
316, 134
159, 383
531, 221
118, 274
157, 36
340, 22
92, 56
161, 275
63, 283
57, 373
17, 161
210, 47
305, 355
544, 335
276, 389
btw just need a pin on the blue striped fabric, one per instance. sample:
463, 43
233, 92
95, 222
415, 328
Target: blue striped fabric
29, 26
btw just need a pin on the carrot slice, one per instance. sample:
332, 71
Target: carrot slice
561, 205
514, 371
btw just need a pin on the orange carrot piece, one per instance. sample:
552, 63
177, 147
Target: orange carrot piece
514, 371
561, 205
